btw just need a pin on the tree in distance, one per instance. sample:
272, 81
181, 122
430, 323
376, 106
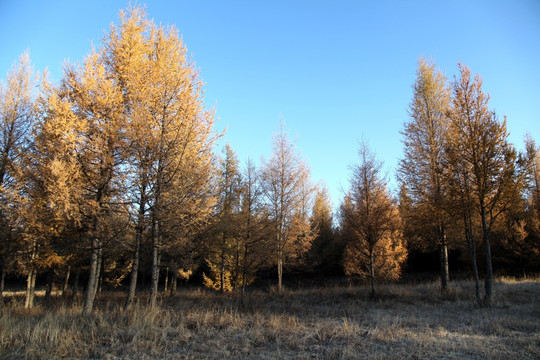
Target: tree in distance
370, 221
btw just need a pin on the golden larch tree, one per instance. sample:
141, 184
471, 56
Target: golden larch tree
17, 116
284, 177
422, 169
370, 221
493, 168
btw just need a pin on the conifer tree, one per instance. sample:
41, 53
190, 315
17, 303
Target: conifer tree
181, 199
494, 170
223, 249
370, 220
96, 101
324, 251
422, 168
17, 115
147, 138
284, 177
254, 227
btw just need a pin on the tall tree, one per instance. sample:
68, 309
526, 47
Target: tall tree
254, 226
494, 169
17, 113
128, 60
142, 102
324, 252
184, 132
375, 247
223, 250
422, 168
96, 101
533, 153
463, 206
283, 178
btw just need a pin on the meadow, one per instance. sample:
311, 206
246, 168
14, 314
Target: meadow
337, 322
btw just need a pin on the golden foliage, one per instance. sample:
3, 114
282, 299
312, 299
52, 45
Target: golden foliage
389, 254
371, 224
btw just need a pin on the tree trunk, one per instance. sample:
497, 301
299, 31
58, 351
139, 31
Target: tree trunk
236, 267
280, 270
135, 267
2, 281
489, 269
88, 305
444, 267
471, 244
155, 267
50, 284
174, 280
31, 279
222, 272
75, 292
372, 273
101, 271
30, 288
244, 276
66, 282
166, 287
445, 273
138, 240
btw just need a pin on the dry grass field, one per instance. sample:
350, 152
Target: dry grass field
403, 322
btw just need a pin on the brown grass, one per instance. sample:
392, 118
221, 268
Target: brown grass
411, 322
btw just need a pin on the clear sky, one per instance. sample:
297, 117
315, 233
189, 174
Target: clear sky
337, 72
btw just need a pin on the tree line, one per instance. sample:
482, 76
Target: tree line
113, 172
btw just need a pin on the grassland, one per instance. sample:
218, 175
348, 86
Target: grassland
403, 322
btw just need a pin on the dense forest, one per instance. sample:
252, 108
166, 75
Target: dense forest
113, 178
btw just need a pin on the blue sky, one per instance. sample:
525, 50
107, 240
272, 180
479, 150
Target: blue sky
337, 72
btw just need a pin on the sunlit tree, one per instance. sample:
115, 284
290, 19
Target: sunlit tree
422, 168
17, 113
284, 177
494, 170
223, 248
370, 219
254, 225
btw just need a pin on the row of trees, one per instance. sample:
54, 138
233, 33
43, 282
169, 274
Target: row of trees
113, 172
461, 178
114, 169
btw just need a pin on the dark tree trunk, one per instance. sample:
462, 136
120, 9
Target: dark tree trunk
222, 272
471, 244
90, 294
136, 254
135, 267
31, 278
50, 284
244, 276
174, 279
372, 273
489, 268
155, 266
280, 270
445, 272
166, 287
236, 267
66, 282
2, 281
30, 288
75, 292
101, 271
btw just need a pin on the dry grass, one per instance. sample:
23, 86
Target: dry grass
411, 322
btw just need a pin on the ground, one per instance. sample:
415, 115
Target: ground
403, 321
